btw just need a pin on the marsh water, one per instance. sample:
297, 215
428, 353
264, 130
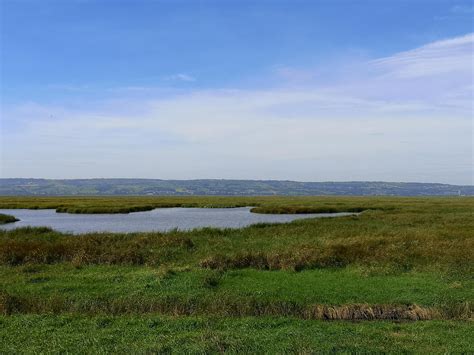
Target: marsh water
160, 219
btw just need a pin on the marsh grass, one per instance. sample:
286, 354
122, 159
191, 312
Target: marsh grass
307, 209
5, 218
120, 204
402, 259
99, 210
260, 204
45, 246
260, 247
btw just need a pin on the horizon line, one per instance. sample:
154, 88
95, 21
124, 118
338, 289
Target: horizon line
226, 179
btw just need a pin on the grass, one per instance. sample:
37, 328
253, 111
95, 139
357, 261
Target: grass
5, 218
438, 237
119, 204
261, 204
158, 334
406, 264
307, 209
130, 289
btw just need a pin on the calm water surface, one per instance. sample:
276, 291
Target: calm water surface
161, 219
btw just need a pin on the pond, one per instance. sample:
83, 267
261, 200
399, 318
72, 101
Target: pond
160, 219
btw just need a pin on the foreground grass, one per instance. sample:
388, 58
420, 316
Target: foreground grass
158, 334
347, 293
264, 288
326, 286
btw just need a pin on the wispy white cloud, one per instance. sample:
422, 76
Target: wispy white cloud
441, 57
180, 77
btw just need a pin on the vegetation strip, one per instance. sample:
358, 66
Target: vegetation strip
5, 218
251, 247
120, 204
226, 307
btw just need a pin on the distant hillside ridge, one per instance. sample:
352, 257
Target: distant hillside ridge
215, 187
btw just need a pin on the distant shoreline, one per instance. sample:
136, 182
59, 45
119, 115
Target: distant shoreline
222, 187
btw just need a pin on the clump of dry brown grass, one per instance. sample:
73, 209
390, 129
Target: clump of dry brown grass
373, 312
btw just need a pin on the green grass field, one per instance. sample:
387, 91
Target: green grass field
398, 277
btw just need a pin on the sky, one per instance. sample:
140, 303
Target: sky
292, 90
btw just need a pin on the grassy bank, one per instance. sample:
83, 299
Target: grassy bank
5, 218
261, 288
120, 204
261, 204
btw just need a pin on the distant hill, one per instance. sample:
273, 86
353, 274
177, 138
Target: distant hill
49, 187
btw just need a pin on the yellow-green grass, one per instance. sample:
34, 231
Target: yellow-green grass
261, 204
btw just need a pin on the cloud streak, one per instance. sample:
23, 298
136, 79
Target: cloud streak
181, 77
437, 58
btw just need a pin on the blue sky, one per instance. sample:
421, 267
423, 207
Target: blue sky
302, 90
